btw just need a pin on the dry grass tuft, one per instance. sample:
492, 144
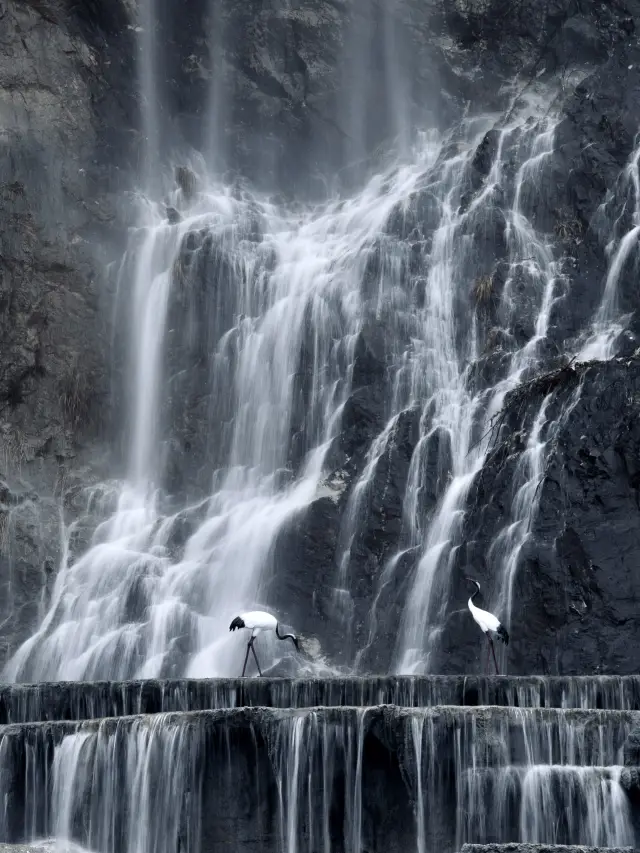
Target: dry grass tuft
567, 227
483, 290
76, 397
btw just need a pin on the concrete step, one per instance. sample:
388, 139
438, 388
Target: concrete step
79, 700
539, 848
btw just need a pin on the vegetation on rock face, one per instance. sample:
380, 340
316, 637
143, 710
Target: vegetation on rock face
76, 398
568, 227
483, 290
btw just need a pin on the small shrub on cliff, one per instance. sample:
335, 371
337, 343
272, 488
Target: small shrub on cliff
76, 397
567, 226
483, 290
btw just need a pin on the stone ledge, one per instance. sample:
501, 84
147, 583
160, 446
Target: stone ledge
540, 848
92, 700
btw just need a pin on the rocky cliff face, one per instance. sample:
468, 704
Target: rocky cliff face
70, 145
54, 340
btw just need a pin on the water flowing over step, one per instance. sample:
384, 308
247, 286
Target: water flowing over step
539, 848
50, 845
353, 779
79, 701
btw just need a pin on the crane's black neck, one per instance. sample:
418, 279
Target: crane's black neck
475, 593
283, 636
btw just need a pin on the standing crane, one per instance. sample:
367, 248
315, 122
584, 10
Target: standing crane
488, 624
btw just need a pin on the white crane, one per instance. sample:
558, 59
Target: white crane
489, 624
256, 621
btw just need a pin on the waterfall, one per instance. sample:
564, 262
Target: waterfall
206, 300
321, 778
457, 414
214, 143
149, 95
151, 767
277, 355
505, 551
607, 326
331, 406
118, 610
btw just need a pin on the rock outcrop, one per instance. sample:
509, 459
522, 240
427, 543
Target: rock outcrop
58, 176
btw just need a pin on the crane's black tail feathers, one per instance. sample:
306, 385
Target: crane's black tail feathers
502, 634
237, 623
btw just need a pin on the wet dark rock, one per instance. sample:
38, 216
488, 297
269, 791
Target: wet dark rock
306, 546
362, 420
369, 356
60, 117
174, 216
488, 234
187, 182
383, 511
420, 213
632, 749
484, 157
437, 465
202, 307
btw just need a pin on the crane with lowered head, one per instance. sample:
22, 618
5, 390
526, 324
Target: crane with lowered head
257, 621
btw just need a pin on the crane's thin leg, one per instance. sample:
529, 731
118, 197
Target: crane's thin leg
246, 657
486, 666
256, 657
493, 651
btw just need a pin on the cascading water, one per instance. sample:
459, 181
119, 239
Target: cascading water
94, 700
214, 143
458, 414
607, 324
149, 95
312, 779
255, 333
216, 289
505, 551
120, 608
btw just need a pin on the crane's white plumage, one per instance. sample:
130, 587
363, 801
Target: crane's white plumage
256, 621
487, 621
